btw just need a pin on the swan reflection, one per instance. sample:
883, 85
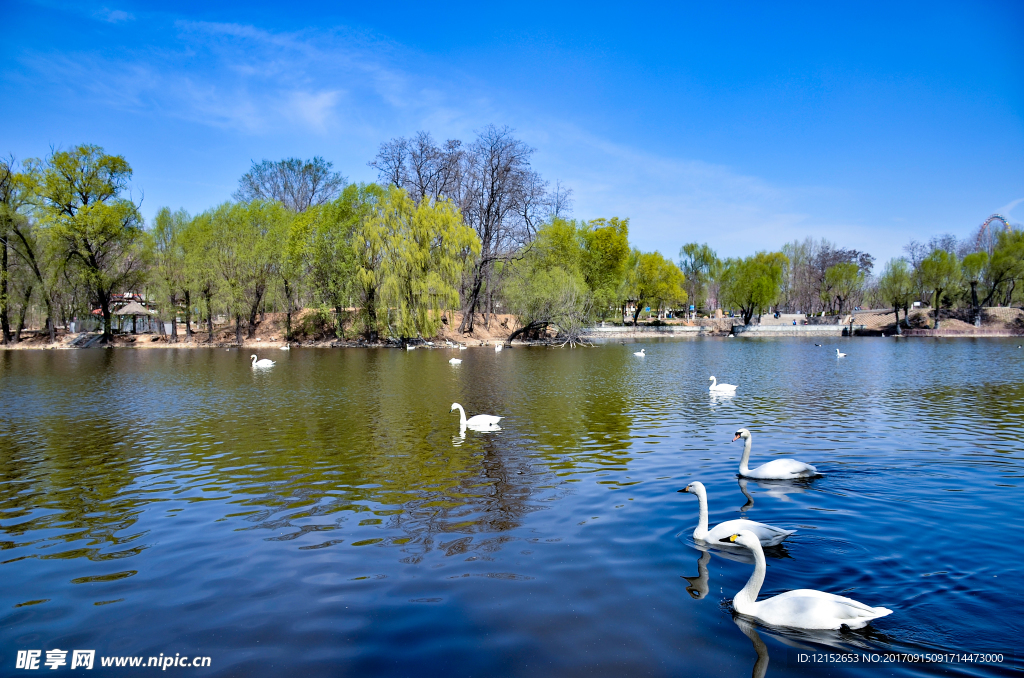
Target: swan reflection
698, 586
761, 665
777, 489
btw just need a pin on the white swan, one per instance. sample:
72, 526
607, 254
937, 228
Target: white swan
455, 361
840, 355
485, 422
256, 363
498, 347
777, 469
286, 347
768, 535
640, 353
462, 347
802, 608
720, 388
409, 347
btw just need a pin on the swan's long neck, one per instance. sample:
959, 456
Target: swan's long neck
702, 524
714, 382
462, 416
254, 360
745, 459
747, 596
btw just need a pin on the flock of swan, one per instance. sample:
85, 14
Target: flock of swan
800, 608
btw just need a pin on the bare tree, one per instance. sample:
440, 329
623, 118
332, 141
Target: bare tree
297, 184
503, 200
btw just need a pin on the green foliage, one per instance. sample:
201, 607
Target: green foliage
98, 230
701, 266
409, 258
939, 271
842, 281
753, 283
655, 281
896, 285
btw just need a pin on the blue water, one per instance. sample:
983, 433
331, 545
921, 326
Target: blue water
325, 517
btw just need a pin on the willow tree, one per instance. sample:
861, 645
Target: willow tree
939, 271
896, 286
200, 275
753, 283
97, 230
657, 281
168, 268
418, 250
247, 244
323, 238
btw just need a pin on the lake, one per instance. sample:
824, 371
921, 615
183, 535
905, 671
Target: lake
325, 517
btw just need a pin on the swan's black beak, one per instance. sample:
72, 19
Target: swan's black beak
683, 490
727, 540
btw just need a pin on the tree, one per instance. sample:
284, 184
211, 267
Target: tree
198, 240
699, 264
753, 283
843, 280
973, 266
296, 184
97, 230
1005, 267
418, 259
656, 281
247, 242
169, 264
605, 255
939, 271
895, 286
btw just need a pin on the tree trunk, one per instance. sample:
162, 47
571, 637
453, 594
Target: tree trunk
174, 318
288, 312
108, 332
188, 317
5, 302
22, 313
208, 294
636, 312
474, 296
253, 311
523, 330
937, 302
371, 317
339, 322
490, 301
238, 328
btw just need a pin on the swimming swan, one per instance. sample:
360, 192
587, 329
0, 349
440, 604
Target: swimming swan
777, 469
720, 388
455, 361
480, 421
498, 347
802, 608
768, 535
840, 355
286, 347
256, 363
641, 353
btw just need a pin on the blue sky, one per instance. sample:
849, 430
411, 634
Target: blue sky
741, 125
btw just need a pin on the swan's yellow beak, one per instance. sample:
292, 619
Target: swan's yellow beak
734, 537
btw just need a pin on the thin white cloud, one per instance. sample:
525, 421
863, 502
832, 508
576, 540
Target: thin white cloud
114, 16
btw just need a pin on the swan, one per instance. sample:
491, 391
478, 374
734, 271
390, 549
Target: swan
641, 353
480, 421
720, 388
462, 347
840, 355
286, 347
802, 608
455, 361
257, 363
777, 469
498, 347
409, 347
768, 535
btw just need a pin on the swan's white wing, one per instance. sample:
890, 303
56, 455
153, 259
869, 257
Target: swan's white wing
783, 469
810, 609
768, 535
483, 420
